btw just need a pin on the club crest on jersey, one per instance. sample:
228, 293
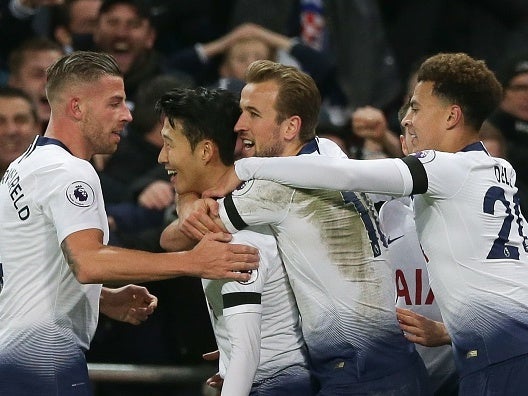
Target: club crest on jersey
425, 156
243, 188
80, 194
252, 279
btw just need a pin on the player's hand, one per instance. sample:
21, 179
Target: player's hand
216, 259
422, 330
132, 304
199, 218
215, 381
227, 183
157, 195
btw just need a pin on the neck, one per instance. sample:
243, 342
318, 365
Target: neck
70, 136
211, 178
465, 138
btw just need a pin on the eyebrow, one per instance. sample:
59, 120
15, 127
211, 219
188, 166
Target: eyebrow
252, 108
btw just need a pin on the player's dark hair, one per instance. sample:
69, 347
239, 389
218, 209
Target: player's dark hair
462, 80
204, 114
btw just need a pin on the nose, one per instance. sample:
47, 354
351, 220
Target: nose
241, 124
162, 156
127, 115
405, 122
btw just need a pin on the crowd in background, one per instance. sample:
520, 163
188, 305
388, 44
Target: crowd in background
361, 53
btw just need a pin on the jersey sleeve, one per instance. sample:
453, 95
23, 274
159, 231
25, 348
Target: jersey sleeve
242, 313
384, 176
446, 172
70, 196
256, 202
244, 336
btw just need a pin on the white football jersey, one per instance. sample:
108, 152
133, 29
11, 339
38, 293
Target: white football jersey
413, 290
46, 315
333, 252
470, 226
472, 229
257, 317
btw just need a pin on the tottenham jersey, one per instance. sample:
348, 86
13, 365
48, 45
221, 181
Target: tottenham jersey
470, 226
334, 256
46, 315
472, 229
276, 327
412, 282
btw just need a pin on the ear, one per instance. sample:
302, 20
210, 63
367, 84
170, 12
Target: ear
75, 108
206, 149
454, 117
292, 127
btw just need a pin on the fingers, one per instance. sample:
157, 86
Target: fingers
220, 237
213, 193
211, 356
215, 381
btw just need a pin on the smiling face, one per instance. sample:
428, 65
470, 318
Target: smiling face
122, 33
18, 127
183, 164
261, 134
425, 119
104, 114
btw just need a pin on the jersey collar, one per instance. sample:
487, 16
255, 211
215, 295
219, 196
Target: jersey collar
44, 141
310, 147
477, 146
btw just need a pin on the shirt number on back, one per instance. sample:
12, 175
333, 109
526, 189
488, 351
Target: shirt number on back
500, 248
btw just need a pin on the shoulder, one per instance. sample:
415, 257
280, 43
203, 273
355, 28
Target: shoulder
259, 189
329, 148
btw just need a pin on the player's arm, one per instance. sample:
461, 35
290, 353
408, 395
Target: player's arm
244, 335
422, 330
196, 217
93, 262
131, 303
396, 177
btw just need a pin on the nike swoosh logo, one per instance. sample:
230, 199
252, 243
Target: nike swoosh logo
389, 241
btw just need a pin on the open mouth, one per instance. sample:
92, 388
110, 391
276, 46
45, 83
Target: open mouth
121, 47
248, 144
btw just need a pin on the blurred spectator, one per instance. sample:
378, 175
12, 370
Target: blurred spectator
27, 71
509, 123
124, 30
366, 68
18, 124
74, 24
21, 20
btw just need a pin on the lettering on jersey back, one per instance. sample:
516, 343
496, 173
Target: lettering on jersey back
12, 180
404, 291
501, 174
